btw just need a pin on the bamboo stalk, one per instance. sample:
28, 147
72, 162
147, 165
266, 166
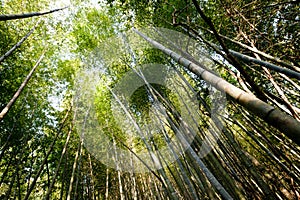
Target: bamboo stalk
23, 85
28, 15
286, 124
19, 43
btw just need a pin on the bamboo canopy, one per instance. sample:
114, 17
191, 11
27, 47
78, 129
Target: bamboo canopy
92, 113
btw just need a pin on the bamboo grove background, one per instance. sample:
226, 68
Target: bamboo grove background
45, 49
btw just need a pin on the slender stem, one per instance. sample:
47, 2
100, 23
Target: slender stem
28, 15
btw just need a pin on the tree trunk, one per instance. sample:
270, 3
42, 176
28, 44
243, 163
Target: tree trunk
73, 171
19, 43
288, 125
17, 94
58, 166
27, 15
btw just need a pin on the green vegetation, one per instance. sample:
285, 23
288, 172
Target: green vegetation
89, 109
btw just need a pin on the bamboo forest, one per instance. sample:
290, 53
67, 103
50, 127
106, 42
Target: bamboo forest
158, 99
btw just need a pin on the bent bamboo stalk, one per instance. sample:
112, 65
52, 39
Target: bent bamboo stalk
283, 122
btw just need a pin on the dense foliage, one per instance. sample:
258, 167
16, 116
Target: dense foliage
61, 138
